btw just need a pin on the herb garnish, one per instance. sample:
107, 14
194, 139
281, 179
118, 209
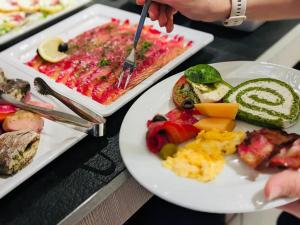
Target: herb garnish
203, 74
104, 62
144, 48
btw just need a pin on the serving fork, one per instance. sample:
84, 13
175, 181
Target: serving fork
130, 61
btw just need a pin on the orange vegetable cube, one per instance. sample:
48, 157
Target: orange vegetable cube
219, 110
221, 124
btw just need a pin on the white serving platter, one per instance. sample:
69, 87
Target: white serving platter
85, 20
55, 140
28, 27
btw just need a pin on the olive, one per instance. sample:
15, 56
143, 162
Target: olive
187, 103
167, 150
158, 117
63, 47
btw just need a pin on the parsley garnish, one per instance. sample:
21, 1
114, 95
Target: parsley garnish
144, 48
146, 45
104, 62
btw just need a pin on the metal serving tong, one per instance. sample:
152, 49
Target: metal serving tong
43, 88
129, 63
92, 128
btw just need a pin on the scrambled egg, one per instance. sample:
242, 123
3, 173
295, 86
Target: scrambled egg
203, 159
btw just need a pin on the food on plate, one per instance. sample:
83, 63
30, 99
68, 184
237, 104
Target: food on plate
176, 127
203, 159
17, 88
207, 83
29, 6
270, 148
219, 110
51, 49
182, 92
51, 6
21, 120
211, 92
19, 129
9, 6
221, 124
17, 150
17, 13
167, 150
203, 74
200, 83
187, 116
266, 102
11, 20
5, 111
95, 59
163, 132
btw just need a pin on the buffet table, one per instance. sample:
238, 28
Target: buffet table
89, 183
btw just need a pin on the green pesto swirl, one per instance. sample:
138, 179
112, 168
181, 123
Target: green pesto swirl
282, 120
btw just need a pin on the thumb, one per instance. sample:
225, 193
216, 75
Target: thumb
284, 184
292, 208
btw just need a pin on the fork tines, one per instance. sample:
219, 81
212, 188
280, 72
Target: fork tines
129, 64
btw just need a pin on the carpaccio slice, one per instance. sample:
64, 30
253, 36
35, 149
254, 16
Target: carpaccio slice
95, 59
177, 129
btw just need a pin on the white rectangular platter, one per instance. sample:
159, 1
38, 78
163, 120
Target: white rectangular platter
28, 27
55, 140
85, 20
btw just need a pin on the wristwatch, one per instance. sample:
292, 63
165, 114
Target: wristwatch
237, 14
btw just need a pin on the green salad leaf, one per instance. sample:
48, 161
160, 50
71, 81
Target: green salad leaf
203, 74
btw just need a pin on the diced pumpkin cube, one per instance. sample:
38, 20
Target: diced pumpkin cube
219, 110
221, 124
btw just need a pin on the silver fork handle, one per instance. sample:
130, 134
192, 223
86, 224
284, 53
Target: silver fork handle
141, 22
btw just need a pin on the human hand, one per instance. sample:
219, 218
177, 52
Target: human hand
285, 184
202, 10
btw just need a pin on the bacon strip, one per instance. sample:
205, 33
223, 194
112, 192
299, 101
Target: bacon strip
271, 148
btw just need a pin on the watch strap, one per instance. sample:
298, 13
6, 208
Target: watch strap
237, 14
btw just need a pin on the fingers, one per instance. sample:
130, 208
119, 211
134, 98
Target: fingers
162, 15
161, 12
140, 2
284, 184
292, 208
154, 11
170, 24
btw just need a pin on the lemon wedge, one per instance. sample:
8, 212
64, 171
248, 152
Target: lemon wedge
48, 50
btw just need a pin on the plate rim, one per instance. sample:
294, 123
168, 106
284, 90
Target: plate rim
272, 204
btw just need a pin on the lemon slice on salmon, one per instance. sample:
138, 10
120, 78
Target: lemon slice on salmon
49, 50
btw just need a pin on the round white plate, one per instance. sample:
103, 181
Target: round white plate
234, 190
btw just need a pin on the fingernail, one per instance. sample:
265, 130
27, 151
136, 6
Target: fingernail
274, 193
